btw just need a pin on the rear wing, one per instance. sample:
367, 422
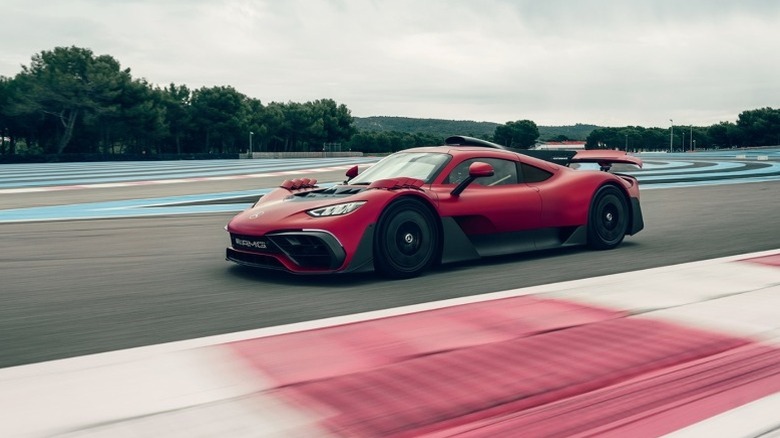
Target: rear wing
604, 158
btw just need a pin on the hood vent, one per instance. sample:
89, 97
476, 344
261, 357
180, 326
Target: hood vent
331, 192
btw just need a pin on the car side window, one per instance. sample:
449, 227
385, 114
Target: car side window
532, 174
504, 172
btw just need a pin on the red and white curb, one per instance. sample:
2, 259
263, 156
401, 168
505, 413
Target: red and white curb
687, 350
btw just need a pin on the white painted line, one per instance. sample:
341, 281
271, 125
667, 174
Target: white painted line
749, 420
204, 389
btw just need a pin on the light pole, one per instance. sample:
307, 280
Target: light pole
671, 136
690, 140
250, 143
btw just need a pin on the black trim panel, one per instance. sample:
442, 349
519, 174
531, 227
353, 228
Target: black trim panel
637, 220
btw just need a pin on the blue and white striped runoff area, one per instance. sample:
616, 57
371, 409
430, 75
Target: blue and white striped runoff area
64, 174
660, 171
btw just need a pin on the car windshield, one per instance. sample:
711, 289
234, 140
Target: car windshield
420, 165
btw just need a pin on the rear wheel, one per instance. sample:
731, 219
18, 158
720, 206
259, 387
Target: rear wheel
608, 218
406, 240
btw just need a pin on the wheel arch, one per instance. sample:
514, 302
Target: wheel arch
363, 259
595, 238
622, 190
428, 204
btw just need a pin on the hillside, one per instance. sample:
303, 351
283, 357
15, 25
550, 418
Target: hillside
444, 128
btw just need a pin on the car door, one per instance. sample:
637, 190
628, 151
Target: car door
497, 205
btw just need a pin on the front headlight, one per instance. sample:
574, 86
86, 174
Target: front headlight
335, 210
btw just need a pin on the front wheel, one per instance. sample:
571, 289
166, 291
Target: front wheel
406, 240
608, 218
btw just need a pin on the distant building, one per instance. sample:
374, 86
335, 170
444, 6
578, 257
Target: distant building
559, 145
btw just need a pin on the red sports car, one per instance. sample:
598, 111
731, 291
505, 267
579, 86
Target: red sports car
419, 207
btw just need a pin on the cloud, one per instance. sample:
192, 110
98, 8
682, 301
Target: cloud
556, 62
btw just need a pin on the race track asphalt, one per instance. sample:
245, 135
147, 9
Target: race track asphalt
71, 288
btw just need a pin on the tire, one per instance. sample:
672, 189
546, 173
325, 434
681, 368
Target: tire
406, 240
608, 218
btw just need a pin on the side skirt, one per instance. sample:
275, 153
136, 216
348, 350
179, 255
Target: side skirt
460, 247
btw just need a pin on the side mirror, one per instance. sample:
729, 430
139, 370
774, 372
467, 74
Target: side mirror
477, 169
351, 173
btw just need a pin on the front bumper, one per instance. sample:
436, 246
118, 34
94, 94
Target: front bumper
305, 251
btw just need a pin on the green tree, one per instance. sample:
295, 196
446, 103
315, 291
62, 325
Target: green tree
371, 142
331, 123
654, 139
341, 124
306, 126
723, 135
256, 122
216, 117
178, 115
629, 138
143, 118
17, 123
273, 120
520, 134
7, 144
604, 138
760, 127
297, 119
66, 84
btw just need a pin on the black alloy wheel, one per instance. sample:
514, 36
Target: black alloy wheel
406, 240
608, 218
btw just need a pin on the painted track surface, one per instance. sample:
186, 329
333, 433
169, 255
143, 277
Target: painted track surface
481, 366
143, 392
77, 287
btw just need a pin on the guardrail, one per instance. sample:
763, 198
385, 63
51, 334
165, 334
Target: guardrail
267, 155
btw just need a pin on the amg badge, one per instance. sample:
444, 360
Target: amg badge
256, 244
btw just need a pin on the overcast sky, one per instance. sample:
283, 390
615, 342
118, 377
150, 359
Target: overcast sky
556, 62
